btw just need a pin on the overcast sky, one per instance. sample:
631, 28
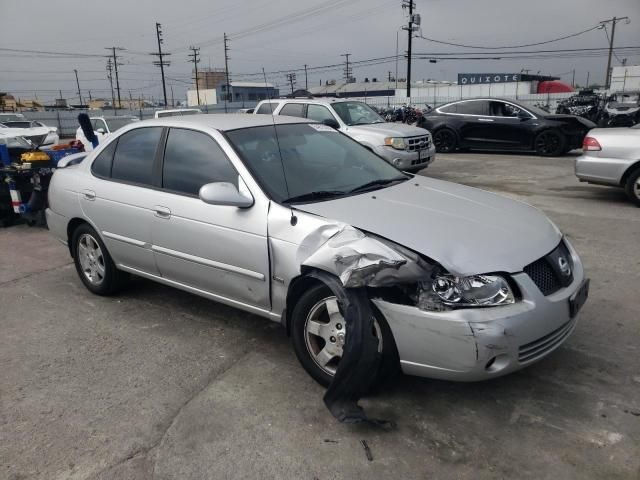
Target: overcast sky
311, 32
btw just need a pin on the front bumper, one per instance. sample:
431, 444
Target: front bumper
601, 170
404, 160
481, 343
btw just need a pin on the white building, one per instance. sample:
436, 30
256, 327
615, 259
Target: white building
625, 78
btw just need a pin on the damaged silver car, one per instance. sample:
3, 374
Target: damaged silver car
280, 216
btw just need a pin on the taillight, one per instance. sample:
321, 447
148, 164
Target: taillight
590, 144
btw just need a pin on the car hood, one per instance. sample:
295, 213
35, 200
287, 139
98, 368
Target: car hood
467, 230
388, 129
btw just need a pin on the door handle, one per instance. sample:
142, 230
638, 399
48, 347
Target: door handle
485, 120
161, 212
89, 194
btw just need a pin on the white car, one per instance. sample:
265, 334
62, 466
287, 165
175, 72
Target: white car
177, 112
103, 127
37, 132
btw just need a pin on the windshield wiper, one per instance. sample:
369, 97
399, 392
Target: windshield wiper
317, 195
378, 183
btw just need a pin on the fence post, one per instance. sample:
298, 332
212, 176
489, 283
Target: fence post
59, 122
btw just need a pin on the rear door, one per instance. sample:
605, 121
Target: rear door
475, 122
219, 249
120, 197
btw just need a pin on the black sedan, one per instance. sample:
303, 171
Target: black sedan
496, 124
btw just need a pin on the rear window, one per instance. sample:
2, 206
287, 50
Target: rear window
267, 107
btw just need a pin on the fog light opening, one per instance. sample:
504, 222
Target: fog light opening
490, 363
497, 363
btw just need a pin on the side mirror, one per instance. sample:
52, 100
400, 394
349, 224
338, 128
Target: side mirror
101, 131
226, 194
331, 122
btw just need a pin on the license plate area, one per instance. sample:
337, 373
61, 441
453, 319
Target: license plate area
579, 298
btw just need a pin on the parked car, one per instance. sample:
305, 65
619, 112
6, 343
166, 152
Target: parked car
622, 109
9, 117
464, 284
16, 144
405, 147
611, 156
103, 127
177, 112
35, 131
586, 104
245, 110
496, 124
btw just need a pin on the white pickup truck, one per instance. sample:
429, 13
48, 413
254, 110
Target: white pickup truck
406, 147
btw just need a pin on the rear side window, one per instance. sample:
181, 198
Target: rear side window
293, 110
193, 159
267, 107
101, 166
479, 107
133, 160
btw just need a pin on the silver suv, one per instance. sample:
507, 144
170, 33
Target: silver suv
405, 147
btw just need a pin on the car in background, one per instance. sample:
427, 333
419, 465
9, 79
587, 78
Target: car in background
103, 127
16, 145
611, 156
177, 112
496, 124
286, 218
622, 109
245, 110
37, 132
9, 117
405, 147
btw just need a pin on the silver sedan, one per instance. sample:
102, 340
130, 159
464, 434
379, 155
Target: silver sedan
611, 156
254, 211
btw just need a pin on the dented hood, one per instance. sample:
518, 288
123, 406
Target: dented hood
467, 230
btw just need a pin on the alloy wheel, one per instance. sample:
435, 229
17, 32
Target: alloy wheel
547, 143
444, 140
325, 333
91, 259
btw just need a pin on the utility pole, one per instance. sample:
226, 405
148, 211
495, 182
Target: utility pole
409, 28
291, 78
195, 59
110, 77
347, 68
573, 78
587, 85
160, 62
613, 21
306, 79
115, 67
173, 101
227, 88
78, 83
130, 101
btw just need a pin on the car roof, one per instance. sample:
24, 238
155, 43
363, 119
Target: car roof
320, 100
223, 121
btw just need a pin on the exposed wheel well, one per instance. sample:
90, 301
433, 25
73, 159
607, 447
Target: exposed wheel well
629, 172
71, 227
296, 288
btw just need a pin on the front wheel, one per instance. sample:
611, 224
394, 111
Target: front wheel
93, 263
318, 334
550, 143
632, 187
445, 140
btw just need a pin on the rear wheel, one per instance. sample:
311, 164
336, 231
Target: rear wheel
632, 187
550, 143
445, 140
94, 264
318, 333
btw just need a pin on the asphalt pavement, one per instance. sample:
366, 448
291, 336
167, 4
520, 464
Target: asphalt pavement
158, 383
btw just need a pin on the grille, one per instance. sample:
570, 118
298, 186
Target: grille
543, 276
413, 143
543, 345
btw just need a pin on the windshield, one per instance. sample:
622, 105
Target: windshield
316, 160
356, 113
116, 123
15, 142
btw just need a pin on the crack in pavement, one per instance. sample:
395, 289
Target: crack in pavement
29, 275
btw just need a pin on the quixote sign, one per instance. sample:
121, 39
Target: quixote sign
478, 78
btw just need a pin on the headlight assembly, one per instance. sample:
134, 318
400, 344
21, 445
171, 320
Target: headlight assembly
473, 291
396, 142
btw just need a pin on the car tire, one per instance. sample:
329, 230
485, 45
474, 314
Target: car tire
309, 308
93, 263
632, 187
550, 143
445, 140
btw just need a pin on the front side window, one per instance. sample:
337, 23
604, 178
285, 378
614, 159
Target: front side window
293, 110
356, 113
308, 159
134, 156
101, 166
267, 108
319, 113
193, 159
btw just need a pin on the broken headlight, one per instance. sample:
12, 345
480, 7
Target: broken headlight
473, 291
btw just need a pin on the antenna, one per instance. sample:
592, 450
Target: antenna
294, 219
